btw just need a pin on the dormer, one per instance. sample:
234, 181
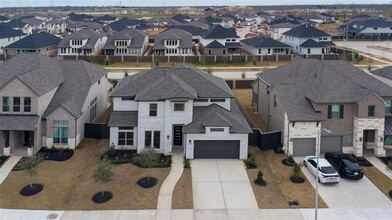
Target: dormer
77, 42
171, 43
122, 42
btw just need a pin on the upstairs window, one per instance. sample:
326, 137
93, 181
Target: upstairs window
179, 107
16, 104
388, 107
153, 109
335, 111
6, 104
217, 129
27, 104
371, 111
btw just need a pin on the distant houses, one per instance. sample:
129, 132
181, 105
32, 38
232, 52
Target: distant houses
173, 42
128, 42
41, 43
220, 41
83, 42
9, 36
265, 46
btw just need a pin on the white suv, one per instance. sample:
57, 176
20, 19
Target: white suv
327, 174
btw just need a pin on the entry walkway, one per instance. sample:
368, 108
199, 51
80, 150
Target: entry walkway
220, 185
166, 191
7, 167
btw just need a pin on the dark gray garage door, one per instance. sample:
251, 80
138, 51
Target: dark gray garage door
333, 144
204, 149
304, 147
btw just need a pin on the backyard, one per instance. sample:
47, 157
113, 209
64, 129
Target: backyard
69, 185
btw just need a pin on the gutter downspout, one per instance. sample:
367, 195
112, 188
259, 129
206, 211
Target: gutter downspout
288, 137
76, 128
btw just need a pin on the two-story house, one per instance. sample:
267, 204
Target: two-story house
278, 26
307, 39
265, 46
46, 102
84, 42
9, 36
369, 28
305, 96
220, 41
181, 107
173, 42
128, 42
55, 26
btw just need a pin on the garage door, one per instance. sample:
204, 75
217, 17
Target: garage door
333, 144
204, 149
304, 147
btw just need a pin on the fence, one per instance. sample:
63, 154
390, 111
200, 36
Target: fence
265, 141
96, 130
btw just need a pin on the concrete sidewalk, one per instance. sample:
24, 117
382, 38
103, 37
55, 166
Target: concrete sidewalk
189, 214
7, 167
167, 188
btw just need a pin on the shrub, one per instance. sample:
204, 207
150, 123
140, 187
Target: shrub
156, 63
243, 75
29, 165
260, 179
187, 163
250, 163
389, 166
291, 160
254, 62
103, 174
148, 158
112, 150
297, 170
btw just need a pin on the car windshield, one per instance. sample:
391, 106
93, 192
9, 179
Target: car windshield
351, 165
327, 170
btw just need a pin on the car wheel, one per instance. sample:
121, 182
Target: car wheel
341, 174
305, 164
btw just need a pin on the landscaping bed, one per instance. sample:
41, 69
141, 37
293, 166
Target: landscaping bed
69, 185
379, 179
130, 156
18, 166
363, 162
386, 160
182, 194
55, 154
280, 190
3, 158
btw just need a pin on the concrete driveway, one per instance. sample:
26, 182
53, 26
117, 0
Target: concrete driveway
221, 184
351, 193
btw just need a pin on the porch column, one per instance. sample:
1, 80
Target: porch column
357, 139
379, 150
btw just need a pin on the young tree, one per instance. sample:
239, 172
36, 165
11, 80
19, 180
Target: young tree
30, 165
103, 174
148, 158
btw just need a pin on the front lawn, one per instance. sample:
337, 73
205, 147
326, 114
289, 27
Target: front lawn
69, 185
182, 194
279, 189
379, 179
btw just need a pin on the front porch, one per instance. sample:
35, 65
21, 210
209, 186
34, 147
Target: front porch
17, 143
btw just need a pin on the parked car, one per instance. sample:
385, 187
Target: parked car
327, 174
345, 164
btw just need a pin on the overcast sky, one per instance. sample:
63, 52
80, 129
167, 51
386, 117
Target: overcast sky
16, 3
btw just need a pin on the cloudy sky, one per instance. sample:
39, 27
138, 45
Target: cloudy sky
12, 3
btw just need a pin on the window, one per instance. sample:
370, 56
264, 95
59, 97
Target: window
375, 28
308, 51
387, 107
27, 104
125, 136
217, 129
6, 104
152, 139
274, 100
153, 109
179, 107
60, 131
209, 52
259, 51
224, 52
371, 110
269, 50
388, 140
127, 98
349, 139
16, 104
200, 100
335, 111
93, 109
218, 100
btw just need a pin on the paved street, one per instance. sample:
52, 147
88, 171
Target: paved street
363, 46
221, 184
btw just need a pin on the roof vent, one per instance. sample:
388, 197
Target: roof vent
315, 75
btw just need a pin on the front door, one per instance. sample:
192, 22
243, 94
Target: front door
177, 135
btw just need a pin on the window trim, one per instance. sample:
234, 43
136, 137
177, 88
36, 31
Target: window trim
62, 125
25, 105
373, 107
179, 104
217, 129
153, 111
14, 107
6, 106
218, 100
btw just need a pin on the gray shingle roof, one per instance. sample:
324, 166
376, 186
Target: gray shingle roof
18, 122
188, 80
79, 76
39, 73
263, 42
91, 35
35, 41
219, 32
137, 38
313, 43
305, 31
173, 34
123, 118
385, 72
6, 32
302, 81
217, 116
215, 44
195, 31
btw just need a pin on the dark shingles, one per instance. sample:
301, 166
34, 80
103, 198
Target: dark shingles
137, 38
219, 32
383, 72
18, 122
6, 32
263, 42
123, 118
214, 44
36, 41
173, 34
305, 31
91, 36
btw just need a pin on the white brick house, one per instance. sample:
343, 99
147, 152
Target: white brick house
83, 42
181, 106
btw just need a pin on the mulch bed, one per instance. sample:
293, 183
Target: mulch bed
297, 179
260, 183
386, 160
119, 156
294, 202
3, 159
55, 154
363, 162
19, 167
146, 182
102, 198
287, 163
31, 191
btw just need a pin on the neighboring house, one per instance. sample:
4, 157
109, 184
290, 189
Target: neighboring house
17, 24
56, 26
307, 39
220, 41
321, 18
173, 42
195, 31
106, 19
73, 26
79, 17
9, 36
36, 24
369, 28
4, 19
125, 23
182, 18
42, 43
307, 95
46, 102
277, 27
84, 42
182, 106
265, 46
128, 42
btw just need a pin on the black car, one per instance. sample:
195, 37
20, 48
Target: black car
346, 165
